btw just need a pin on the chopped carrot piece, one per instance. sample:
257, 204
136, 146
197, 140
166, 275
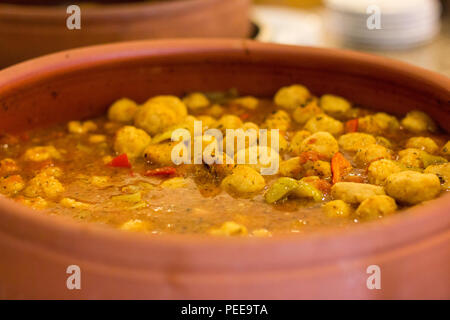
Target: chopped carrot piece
351, 126
121, 161
164, 171
339, 167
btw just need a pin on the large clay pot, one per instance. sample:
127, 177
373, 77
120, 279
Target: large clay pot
412, 248
28, 31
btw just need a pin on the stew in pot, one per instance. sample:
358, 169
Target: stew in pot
320, 162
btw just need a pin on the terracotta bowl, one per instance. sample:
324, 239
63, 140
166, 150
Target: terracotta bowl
412, 248
28, 31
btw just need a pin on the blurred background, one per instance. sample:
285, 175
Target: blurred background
416, 31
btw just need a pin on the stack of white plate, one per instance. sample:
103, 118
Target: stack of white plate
403, 23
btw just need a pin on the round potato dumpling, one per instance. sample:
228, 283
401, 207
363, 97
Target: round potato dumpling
279, 120
155, 117
422, 143
243, 181
291, 168
418, 121
371, 153
159, 153
321, 142
303, 113
442, 171
376, 207
412, 187
37, 203
411, 158
382, 141
419, 159
251, 126
257, 157
379, 170
131, 141
292, 96
337, 209
41, 153
324, 123
334, 105
446, 149
296, 141
355, 141
353, 192
45, 186
282, 142
318, 168
247, 102
229, 121
171, 102
123, 110
52, 171
378, 123
11, 185
207, 121
215, 111
196, 100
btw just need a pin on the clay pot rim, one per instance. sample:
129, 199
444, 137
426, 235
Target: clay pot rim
101, 12
422, 221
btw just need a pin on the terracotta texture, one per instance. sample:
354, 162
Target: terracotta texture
412, 248
30, 31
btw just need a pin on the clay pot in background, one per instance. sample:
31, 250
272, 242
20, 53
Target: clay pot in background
412, 248
28, 31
